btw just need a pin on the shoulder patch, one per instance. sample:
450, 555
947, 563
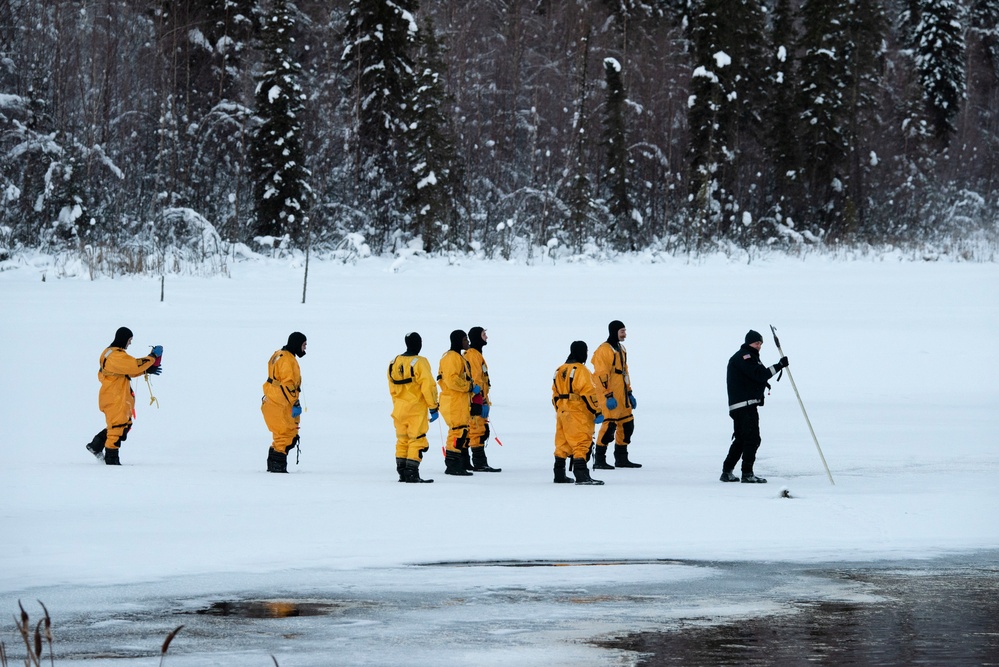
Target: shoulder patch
747, 356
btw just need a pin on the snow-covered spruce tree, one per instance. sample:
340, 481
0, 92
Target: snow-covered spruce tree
723, 113
780, 114
940, 60
625, 220
434, 188
984, 21
381, 38
281, 189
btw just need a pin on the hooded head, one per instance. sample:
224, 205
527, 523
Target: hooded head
753, 337
414, 343
121, 337
475, 338
612, 332
577, 353
296, 344
458, 340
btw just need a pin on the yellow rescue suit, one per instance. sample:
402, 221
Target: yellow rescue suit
116, 398
281, 392
478, 428
414, 394
576, 401
611, 369
455, 379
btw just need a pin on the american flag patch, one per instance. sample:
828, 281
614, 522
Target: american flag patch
746, 356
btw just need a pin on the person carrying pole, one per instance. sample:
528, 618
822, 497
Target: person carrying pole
747, 380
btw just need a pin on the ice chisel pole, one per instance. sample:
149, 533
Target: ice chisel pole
807, 420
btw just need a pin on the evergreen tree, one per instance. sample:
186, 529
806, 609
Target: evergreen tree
618, 165
381, 38
780, 114
724, 106
939, 44
281, 190
435, 174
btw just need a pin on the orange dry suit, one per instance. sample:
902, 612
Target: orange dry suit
281, 393
455, 379
610, 365
478, 428
411, 384
576, 401
116, 398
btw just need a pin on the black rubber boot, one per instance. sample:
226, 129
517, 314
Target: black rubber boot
582, 474
750, 478
727, 476
560, 476
621, 458
276, 462
411, 473
600, 459
96, 446
466, 460
400, 466
453, 465
479, 462
111, 457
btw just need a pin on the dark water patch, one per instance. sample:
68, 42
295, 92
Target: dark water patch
273, 608
919, 617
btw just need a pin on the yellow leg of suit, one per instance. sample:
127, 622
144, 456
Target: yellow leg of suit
411, 433
282, 425
478, 431
118, 417
456, 411
573, 434
620, 435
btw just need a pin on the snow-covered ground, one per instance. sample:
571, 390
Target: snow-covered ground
896, 363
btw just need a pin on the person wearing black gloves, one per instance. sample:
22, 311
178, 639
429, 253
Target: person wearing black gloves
116, 398
747, 381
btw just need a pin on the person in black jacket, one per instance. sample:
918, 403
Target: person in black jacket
747, 380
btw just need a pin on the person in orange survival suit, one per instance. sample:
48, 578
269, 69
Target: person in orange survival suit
280, 404
478, 428
610, 364
577, 409
116, 398
455, 379
414, 406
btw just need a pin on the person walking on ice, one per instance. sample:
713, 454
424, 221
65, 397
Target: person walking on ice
747, 380
116, 398
577, 410
414, 406
280, 404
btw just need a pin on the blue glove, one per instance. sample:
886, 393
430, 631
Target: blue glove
476, 389
485, 411
631, 399
611, 402
157, 351
296, 410
155, 370
434, 415
599, 419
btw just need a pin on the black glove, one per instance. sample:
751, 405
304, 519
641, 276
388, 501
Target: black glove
783, 363
155, 370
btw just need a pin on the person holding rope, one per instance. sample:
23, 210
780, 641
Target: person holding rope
747, 380
414, 406
280, 403
116, 398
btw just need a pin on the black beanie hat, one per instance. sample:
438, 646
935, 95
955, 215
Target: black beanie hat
475, 338
295, 342
414, 343
577, 353
612, 330
121, 337
753, 337
458, 340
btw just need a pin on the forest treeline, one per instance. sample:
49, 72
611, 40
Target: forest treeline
133, 128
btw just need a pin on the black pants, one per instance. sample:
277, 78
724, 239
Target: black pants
745, 439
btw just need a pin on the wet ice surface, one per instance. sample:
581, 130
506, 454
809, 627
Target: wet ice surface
544, 613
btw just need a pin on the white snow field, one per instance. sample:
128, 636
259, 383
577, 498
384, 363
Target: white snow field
896, 363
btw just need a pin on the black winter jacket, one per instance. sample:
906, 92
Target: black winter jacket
747, 378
